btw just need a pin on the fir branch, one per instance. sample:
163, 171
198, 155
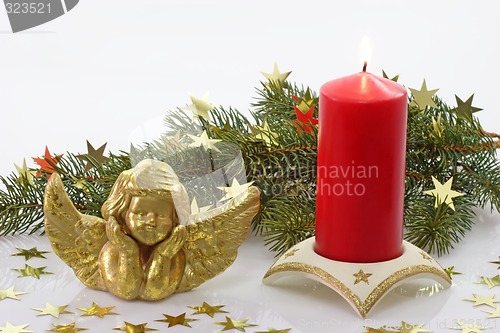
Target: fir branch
296, 216
437, 229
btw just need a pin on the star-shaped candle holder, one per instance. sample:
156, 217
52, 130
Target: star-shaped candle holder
362, 285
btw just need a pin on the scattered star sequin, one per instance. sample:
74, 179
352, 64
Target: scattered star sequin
10, 293
493, 314
96, 310
131, 328
409, 328
199, 107
50, 310
9, 328
31, 271
234, 190
208, 309
443, 193
234, 324
94, 157
450, 271
30, 253
273, 330
176, 320
277, 78
69, 328
423, 97
483, 300
468, 327
490, 282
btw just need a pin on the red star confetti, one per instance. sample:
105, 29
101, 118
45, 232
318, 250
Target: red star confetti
305, 121
47, 163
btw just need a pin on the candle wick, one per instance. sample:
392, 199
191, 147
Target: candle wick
364, 66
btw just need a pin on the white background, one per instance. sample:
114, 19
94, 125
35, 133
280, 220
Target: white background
109, 66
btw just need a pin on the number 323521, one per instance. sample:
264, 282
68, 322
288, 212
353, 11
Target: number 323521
27, 7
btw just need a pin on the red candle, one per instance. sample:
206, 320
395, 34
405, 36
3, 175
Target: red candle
361, 169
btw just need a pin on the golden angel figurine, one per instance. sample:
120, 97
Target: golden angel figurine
147, 245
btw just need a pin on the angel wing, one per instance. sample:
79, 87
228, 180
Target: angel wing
212, 244
75, 237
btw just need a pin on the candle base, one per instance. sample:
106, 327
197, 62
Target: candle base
362, 285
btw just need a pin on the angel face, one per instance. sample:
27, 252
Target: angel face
150, 219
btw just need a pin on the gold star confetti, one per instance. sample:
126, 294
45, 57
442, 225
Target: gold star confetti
443, 193
490, 282
208, 309
94, 157
131, 328
31, 253
234, 324
409, 328
276, 77
200, 107
385, 76
465, 109
25, 173
81, 184
496, 262
437, 127
493, 314
470, 327
203, 140
305, 103
10, 293
9, 328
483, 300
382, 329
196, 210
96, 310
31, 271
290, 253
423, 97
176, 320
265, 134
273, 330
361, 277
450, 271
50, 310
70, 328
425, 256
234, 190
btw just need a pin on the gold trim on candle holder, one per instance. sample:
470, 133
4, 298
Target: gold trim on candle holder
388, 273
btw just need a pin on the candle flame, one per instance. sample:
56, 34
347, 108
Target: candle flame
365, 52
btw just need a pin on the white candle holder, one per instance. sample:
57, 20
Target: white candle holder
362, 285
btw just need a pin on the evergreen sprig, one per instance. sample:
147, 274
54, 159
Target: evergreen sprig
440, 144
